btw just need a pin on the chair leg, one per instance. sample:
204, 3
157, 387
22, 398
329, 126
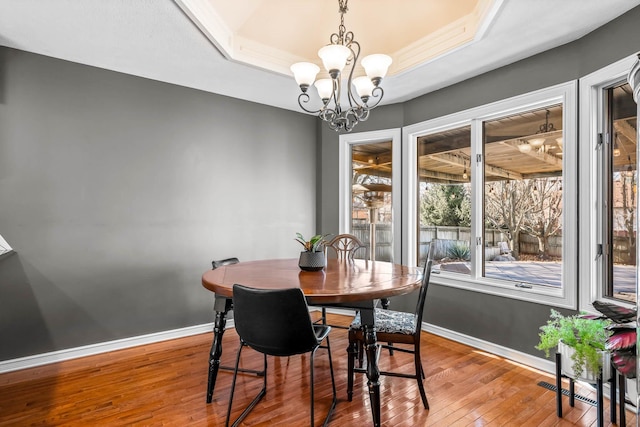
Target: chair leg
333, 386
360, 353
255, 401
312, 383
352, 351
419, 375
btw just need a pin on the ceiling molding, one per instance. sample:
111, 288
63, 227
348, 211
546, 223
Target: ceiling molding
210, 23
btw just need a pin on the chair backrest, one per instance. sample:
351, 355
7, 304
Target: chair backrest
273, 321
345, 245
426, 276
219, 263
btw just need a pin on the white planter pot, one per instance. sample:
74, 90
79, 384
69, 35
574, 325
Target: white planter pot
567, 352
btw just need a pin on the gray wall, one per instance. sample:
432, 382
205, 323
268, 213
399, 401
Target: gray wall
116, 192
503, 321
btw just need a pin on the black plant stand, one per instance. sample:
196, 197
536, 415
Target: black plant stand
599, 391
619, 388
622, 392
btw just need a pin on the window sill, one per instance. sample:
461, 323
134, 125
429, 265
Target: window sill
564, 298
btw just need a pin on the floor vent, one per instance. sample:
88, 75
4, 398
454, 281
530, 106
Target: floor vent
566, 393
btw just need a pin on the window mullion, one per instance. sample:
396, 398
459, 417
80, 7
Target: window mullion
477, 189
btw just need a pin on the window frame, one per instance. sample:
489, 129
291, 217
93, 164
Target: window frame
346, 141
592, 123
566, 94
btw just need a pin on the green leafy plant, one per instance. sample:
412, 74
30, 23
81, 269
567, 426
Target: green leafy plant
314, 244
459, 251
588, 336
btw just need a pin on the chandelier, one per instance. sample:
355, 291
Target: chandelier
342, 51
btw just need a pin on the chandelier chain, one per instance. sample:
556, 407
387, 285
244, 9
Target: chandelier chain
343, 8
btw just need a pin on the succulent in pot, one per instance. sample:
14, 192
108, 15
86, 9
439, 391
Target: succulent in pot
312, 258
315, 244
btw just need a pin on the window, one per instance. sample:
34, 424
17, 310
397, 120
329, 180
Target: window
371, 198
444, 207
523, 197
608, 211
495, 187
369, 192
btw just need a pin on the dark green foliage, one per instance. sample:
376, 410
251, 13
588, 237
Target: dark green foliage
446, 205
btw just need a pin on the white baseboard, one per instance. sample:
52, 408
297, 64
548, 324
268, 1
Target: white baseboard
506, 352
89, 350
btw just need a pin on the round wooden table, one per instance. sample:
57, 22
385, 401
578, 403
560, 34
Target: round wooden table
354, 284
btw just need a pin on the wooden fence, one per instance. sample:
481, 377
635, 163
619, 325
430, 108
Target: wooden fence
623, 250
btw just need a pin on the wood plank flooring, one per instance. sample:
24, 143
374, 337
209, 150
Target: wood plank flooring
164, 384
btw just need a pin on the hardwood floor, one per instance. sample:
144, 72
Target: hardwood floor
165, 384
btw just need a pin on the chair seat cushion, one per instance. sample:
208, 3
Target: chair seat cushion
389, 321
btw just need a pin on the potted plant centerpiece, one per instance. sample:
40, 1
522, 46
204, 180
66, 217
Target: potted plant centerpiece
312, 258
581, 342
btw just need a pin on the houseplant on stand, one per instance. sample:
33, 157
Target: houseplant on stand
312, 258
581, 341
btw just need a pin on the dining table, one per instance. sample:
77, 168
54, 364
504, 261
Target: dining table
354, 284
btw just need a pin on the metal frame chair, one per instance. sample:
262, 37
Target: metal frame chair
276, 322
394, 327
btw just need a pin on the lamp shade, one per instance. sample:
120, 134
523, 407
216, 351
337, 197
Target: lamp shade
305, 73
334, 56
363, 85
376, 65
325, 88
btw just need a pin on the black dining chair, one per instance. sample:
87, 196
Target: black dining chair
276, 322
393, 327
